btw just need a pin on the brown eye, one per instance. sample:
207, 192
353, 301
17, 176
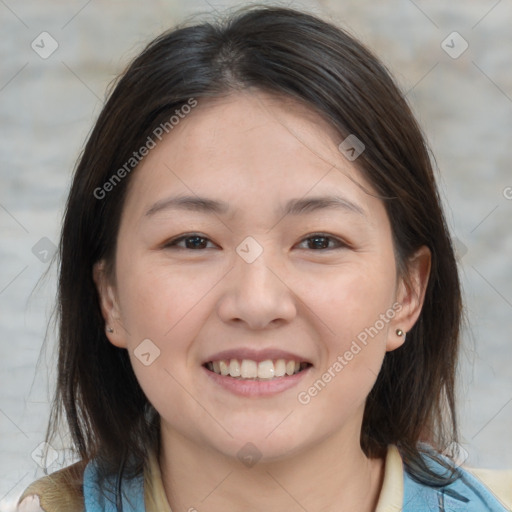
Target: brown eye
192, 241
320, 241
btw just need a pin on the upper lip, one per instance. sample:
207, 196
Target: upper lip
255, 355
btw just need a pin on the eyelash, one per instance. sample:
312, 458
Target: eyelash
340, 243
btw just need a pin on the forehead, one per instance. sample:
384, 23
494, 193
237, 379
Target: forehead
256, 124
247, 148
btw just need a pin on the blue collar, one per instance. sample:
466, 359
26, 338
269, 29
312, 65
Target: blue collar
465, 494
103, 498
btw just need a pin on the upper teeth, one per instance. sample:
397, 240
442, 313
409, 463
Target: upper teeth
249, 369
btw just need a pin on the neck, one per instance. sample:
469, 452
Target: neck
331, 476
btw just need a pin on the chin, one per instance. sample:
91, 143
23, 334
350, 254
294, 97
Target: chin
256, 443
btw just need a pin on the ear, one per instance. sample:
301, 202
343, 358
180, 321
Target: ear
109, 305
410, 295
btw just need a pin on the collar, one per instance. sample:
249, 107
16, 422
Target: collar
390, 498
400, 492
392, 493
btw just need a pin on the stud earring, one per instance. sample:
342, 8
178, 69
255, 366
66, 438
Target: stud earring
109, 329
399, 332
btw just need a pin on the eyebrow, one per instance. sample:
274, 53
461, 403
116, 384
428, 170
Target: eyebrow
299, 206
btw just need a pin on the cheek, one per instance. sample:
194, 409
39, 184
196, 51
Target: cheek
157, 300
355, 309
168, 308
349, 301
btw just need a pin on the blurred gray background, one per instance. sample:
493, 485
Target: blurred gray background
49, 101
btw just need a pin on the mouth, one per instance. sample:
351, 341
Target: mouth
250, 370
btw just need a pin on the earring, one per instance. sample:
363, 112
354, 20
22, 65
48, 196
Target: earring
399, 332
109, 329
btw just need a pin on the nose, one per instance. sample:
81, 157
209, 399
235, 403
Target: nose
256, 296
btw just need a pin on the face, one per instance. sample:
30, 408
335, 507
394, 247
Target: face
255, 280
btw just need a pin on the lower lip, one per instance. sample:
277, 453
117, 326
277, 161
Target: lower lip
256, 388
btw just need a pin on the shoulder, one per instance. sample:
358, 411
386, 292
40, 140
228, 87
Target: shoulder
498, 482
61, 491
471, 491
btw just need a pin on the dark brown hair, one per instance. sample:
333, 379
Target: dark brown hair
291, 54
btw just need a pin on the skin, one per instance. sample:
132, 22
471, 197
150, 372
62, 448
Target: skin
256, 152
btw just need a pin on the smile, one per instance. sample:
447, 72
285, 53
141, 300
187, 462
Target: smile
248, 369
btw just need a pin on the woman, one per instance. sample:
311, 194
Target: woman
259, 301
